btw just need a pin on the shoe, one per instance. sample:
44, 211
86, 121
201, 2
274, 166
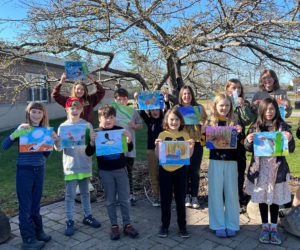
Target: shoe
91, 221
163, 232
132, 200
70, 228
264, 236
42, 236
32, 244
230, 233
184, 234
195, 202
115, 233
156, 202
221, 233
188, 201
130, 231
274, 237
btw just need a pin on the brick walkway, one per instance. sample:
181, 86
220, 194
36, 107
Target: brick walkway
146, 219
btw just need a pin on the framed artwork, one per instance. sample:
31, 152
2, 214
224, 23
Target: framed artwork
38, 140
174, 153
150, 100
270, 144
221, 137
111, 142
76, 70
124, 113
73, 136
191, 115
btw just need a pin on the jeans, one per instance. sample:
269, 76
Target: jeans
84, 196
116, 182
129, 166
29, 185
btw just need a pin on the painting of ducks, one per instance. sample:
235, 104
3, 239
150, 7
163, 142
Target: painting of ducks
73, 135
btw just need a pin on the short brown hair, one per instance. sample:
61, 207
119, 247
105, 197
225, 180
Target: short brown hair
121, 92
273, 75
106, 111
37, 105
176, 112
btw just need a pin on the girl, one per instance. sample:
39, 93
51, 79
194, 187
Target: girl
80, 90
29, 180
269, 87
173, 177
265, 187
222, 174
154, 120
246, 117
187, 98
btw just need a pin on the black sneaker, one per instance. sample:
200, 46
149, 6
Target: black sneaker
163, 232
184, 234
130, 231
132, 200
70, 228
32, 244
91, 221
42, 236
114, 232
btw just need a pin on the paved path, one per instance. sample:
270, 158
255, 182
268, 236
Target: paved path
146, 219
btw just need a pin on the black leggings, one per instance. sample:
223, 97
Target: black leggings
274, 209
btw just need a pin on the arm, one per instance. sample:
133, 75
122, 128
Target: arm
145, 117
248, 143
8, 142
136, 121
60, 99
95, 98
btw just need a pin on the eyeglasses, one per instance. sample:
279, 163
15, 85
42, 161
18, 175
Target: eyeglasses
266, 78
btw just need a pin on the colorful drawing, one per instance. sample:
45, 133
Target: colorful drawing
191, 115
111, 142
174, 153
150, 100
73, 136
221, 137
270, 144
20, 132
281, 105
76, 70
124, 113
39, 139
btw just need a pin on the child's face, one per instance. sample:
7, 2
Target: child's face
173, 122
235, 87
107, 122
74, 112
223, 107
121, 100
186, 97
79, 91
36, 116
268, 81
270, 112
155, 113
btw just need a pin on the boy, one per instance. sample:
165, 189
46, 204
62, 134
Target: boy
113, 174
77, 169
121, 97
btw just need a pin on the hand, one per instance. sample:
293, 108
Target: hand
93, 136
191, 143
24, 126
255, 103
136, 95
157, 141
63, 78
250, 138
240, 101
131, 124
166, 95
128, 136
288, 135
202, 122
239, 128
91, 77
55, 137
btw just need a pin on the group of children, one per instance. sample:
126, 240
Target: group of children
266, 180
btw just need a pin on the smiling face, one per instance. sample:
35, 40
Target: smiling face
107, 122
36, 116
186, 97
123, 100
173, 122
155, 113
74, 113
270, 112
267, 81
79, 91
223, 107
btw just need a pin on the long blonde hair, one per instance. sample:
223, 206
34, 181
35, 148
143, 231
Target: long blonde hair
37, 105
213, 119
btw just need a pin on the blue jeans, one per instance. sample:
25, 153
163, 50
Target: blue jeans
84, 196
29, 185
116, 182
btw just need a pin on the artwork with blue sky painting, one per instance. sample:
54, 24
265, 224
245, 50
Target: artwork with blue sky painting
73, 135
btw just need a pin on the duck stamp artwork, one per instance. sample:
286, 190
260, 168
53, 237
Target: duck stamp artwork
73, 136
37, 140
221, 137
111, 142
124, 113
76, 70
270, 144
174, 153
191, 115
150, 100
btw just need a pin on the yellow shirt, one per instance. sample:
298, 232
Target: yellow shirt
173, 136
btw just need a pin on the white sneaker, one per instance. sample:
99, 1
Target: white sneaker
195, 202
188, 201
156, 203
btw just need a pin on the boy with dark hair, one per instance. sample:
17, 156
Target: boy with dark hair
121, 97
113, 174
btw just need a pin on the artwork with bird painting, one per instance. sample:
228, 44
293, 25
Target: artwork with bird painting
174, 153
74, 135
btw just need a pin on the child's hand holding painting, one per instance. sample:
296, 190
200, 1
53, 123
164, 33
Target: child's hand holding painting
191, 144
93, 136
128, 136
250, 138
288, 135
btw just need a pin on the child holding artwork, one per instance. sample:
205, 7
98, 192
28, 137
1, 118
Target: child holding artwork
186, 99
121, 97
77, 169
223, 174
173, 178
29, 180
154, 119
246, 117
268, 176
113, 175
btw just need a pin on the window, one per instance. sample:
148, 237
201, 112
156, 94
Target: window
39, 90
